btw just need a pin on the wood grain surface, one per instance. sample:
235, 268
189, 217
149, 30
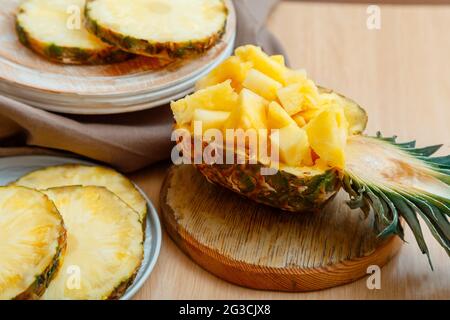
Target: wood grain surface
28, 70
401, 75
259, 247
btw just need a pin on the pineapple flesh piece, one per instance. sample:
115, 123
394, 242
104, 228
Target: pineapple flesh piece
51, 29
277, 117
231, 69
32, 240
261, 84
328, 136
81, 175
210, 119
166, 29
250, 112
104, 244
219, 97
293, 145
291, 98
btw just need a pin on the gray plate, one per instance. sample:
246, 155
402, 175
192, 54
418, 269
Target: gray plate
12, 168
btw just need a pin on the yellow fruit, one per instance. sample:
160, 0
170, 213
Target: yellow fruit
310, 114
277, 117
292, 143
220, 97
279, 59
249, 113
328, 136
301, 122
262, 62
295, 76
261, 84
210, 119
291, 98
233, 69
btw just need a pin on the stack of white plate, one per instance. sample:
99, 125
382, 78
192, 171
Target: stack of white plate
124, 87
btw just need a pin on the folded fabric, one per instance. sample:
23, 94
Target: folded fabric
128, 141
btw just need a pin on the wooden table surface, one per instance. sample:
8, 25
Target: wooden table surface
401, 75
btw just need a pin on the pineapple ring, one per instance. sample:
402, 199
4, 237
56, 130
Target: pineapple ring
74, 174
104, 245
32, 239
168, 29
45, 27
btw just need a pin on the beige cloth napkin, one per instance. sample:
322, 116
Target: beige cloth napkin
127, 142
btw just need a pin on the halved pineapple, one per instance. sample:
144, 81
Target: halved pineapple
104, 244
167, 29
53, 28
32, 241
82, 175
328, 152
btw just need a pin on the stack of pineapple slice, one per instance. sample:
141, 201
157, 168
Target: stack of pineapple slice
78, 234
107, 31
318, 135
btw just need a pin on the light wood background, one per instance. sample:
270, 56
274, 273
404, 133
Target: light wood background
401, 75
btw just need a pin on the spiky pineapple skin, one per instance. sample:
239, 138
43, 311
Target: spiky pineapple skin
169, 51
282, 190
75, 56
37, 289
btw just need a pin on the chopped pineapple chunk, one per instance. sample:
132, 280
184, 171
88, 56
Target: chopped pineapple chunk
210, 119
328, 136
220, 97
249, 113
293, 145
262, 62
277, 117
295, 76
233, 69
279, 59
301, 122
291, 98
261, 84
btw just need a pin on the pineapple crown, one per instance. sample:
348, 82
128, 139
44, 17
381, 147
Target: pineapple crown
390, 205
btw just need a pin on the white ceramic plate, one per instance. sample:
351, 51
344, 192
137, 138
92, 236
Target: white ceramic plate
12, 168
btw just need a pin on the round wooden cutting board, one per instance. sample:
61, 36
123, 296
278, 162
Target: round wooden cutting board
260, 247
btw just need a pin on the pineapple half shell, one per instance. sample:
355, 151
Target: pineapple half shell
74, 174
45, 27
104, 245
169, 29
32, 242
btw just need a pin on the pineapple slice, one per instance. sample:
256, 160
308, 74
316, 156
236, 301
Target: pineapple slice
32, 239
277, 117
231, 69
328, 136
249, 113
104, 244
262, 62
220, 97
74, 174
210, 119
293, 145
45, 27
167, 29
291, 98
295, 76
261, 84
